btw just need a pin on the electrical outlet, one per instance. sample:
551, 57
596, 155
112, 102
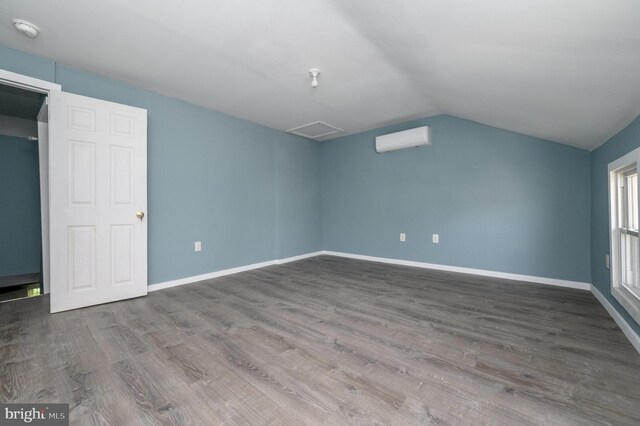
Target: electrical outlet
198, 246
435, 238
606, 261
403, 237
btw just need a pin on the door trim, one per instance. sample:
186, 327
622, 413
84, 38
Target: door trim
43, 162
40, 86
29, 83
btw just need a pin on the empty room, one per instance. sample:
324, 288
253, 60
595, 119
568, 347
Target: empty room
319, 212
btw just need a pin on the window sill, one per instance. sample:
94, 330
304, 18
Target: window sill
628, 301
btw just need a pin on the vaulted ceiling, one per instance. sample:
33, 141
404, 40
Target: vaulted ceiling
563, 70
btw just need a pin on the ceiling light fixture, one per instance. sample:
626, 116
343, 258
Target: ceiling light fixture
314, 73
26, 28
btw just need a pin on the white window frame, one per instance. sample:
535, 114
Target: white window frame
626, 298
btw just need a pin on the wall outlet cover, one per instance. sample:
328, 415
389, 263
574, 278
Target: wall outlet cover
435, 238
403, 237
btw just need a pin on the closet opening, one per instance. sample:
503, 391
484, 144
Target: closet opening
21, 192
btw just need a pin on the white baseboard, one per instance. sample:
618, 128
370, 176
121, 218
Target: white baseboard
230, 271
481, 272
494, 274
210, 275
300, 257
624, 326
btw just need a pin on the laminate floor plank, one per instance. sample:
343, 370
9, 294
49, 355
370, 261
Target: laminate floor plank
327, 341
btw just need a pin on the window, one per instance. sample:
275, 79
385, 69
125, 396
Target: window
625, 240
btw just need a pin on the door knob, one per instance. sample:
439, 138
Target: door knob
140, 215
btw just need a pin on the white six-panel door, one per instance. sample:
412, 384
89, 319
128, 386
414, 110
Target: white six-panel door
98, 183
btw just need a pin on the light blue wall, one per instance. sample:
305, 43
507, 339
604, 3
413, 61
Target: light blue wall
299, 197
20, 235
23, 63
211, 178
625, 141
501, 201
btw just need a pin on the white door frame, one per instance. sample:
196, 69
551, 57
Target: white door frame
43, 162
41, 86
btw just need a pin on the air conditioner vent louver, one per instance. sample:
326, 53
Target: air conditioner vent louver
315, 130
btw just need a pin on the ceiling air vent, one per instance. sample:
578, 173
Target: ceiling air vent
316, 130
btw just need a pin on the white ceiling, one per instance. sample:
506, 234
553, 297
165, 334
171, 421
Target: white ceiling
563, 70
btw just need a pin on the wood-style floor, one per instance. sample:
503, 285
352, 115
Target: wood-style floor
327, 341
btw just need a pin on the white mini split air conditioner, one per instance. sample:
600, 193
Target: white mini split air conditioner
406, 139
